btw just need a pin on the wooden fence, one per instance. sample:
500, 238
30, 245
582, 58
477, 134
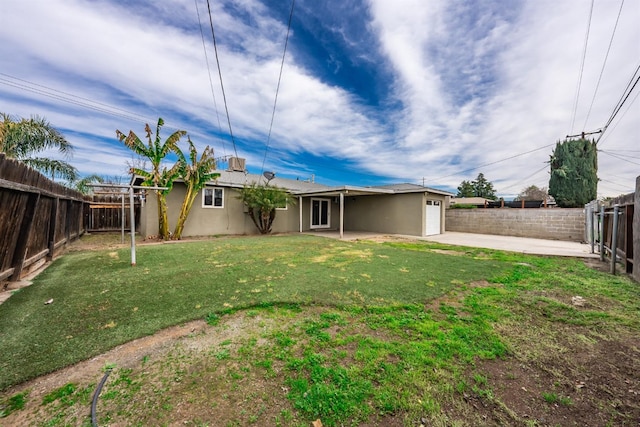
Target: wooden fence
610, 228
516, 204
37, 218
110, 212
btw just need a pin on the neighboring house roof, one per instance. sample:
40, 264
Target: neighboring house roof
469, 200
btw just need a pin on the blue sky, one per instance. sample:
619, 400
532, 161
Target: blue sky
372, 91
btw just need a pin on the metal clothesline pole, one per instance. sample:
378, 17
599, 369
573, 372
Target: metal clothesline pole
132, 213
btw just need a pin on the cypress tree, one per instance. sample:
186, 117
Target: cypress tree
574, 173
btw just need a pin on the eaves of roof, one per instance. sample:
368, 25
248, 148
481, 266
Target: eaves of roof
345, 189
232, 179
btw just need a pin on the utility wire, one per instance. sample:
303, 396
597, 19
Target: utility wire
625, 95
584, 55
527, 178
625, 159
224, 96
213, 94
622, 116
493, 163
626, 188
623, 151
604, 63
72, 99
275, 101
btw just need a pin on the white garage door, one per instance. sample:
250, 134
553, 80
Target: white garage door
433, 217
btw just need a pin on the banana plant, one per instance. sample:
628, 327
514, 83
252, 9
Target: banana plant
156, 151
196, 174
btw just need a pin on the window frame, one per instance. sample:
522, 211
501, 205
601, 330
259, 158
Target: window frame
286, 207
213, 198
320, 200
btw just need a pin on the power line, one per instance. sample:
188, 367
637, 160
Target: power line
622, 116
626, 188
224, 96
275, 101
625, 95
206, 58
527, 178
623, 151
625, 159
493, 163
604, 63
71, 98
623, 100
584, 55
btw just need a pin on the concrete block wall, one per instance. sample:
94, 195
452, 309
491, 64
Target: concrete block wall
553, 223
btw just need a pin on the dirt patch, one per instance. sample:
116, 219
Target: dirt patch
594, 386
386, 238
125, 355
448, 252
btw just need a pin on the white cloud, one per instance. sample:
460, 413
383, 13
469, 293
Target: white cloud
468, 94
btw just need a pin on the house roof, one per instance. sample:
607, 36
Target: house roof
235, 179
240, 179
407, 187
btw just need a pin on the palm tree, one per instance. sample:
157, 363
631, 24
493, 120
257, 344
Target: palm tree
83, 184
261, 202
195, 174
22, 138
155, 150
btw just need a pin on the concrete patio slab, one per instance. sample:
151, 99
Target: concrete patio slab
505, 243
515, 244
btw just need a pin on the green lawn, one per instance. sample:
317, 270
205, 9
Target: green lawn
347, 332
100, 301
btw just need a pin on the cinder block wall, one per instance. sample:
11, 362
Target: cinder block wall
555, 223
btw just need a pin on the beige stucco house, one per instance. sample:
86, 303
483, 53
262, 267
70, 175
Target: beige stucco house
392, 209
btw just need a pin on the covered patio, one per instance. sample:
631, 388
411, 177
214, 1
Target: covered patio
396, 209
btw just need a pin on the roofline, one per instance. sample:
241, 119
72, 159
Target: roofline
425, 190
345, 189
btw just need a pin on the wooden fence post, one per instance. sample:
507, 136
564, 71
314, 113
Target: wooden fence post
23, 238
636, 231
614, 240
602, 233
51, 234
67, 222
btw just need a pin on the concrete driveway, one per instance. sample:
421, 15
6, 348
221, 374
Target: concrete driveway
515, 244
505, 243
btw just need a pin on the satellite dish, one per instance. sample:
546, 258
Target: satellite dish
269, 175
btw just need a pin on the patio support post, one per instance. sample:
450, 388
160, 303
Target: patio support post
300, 209
341, 215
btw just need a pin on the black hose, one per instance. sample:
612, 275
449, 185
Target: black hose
94, 403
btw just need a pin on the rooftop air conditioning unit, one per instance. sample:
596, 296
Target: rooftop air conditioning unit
237, 164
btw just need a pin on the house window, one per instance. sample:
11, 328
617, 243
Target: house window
213, 198
282, 207
320, 213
